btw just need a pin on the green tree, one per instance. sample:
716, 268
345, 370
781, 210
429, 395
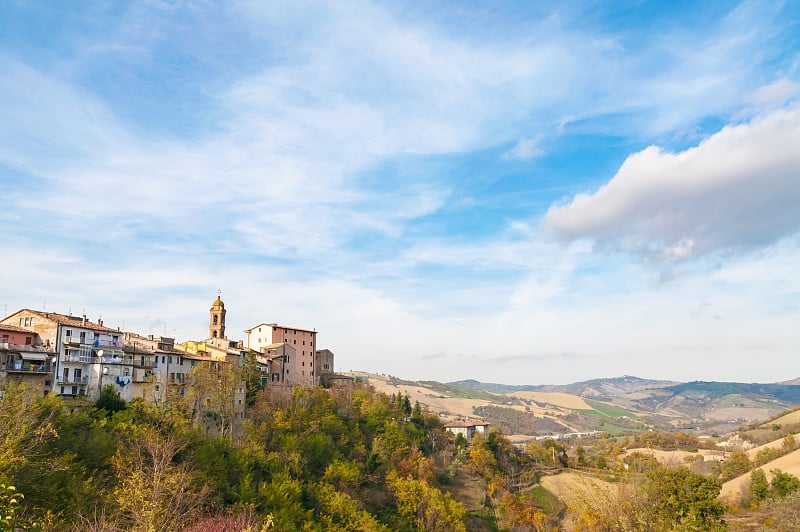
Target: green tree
759, 487
783, 483
737, 464
109, 400
11, 519
687, 498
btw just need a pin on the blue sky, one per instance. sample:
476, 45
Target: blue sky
518, 192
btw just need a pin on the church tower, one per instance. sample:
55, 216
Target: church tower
216, 324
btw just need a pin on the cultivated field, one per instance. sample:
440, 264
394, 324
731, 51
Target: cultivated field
565, 400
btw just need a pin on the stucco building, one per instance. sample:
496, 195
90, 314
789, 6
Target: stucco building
23, 358
297, 346
88, 355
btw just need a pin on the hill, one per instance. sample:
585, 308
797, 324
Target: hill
620, 404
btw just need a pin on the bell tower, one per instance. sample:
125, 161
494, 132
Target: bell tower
216, 324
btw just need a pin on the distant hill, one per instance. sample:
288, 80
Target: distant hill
619, 404
789, 393
596, 388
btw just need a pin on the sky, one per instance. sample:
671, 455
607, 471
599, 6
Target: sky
514, 192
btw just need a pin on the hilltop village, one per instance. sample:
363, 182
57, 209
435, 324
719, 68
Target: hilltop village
75, 357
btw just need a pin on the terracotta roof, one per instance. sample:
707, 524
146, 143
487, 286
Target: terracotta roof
466, 424
14, 328
278, 326
275, 346
75, 321
28, 349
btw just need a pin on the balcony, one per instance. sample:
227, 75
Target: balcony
107, 343
76, 340
72, 380
141, 375
74, 356
23, 366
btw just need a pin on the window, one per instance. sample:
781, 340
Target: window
303, 364
170, 359
304, 342
216, 319
78, 373
28, 340
83, 337
74, 390
66, 374
69, 333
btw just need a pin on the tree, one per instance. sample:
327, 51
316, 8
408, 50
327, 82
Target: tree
109, 400
759, 487
10, 518
737, 464
783, 483
155, 491
26, 423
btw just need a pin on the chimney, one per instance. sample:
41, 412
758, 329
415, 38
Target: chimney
100, 322
83, 321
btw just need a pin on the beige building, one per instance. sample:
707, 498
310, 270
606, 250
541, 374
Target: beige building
298, 366
468, 429
88, 356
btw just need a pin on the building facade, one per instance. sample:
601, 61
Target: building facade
298, 367
88, 355
24, 359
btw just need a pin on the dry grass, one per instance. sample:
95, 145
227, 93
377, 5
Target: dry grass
789, 419
437, 403
789, 463
574, 488
776, 444
738, 412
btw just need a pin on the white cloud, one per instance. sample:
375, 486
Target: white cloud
778, 92
525, 150
738, 190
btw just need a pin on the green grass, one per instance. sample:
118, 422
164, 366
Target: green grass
458, 391
616, 429
611, 410
544, 500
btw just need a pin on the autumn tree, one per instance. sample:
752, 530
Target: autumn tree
156, 490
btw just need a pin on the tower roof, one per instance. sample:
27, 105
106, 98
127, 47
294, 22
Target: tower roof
218, 304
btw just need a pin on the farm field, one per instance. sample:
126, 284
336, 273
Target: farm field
565, 400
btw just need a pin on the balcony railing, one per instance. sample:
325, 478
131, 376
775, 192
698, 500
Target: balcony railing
73, 380
27, 367
107, 343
